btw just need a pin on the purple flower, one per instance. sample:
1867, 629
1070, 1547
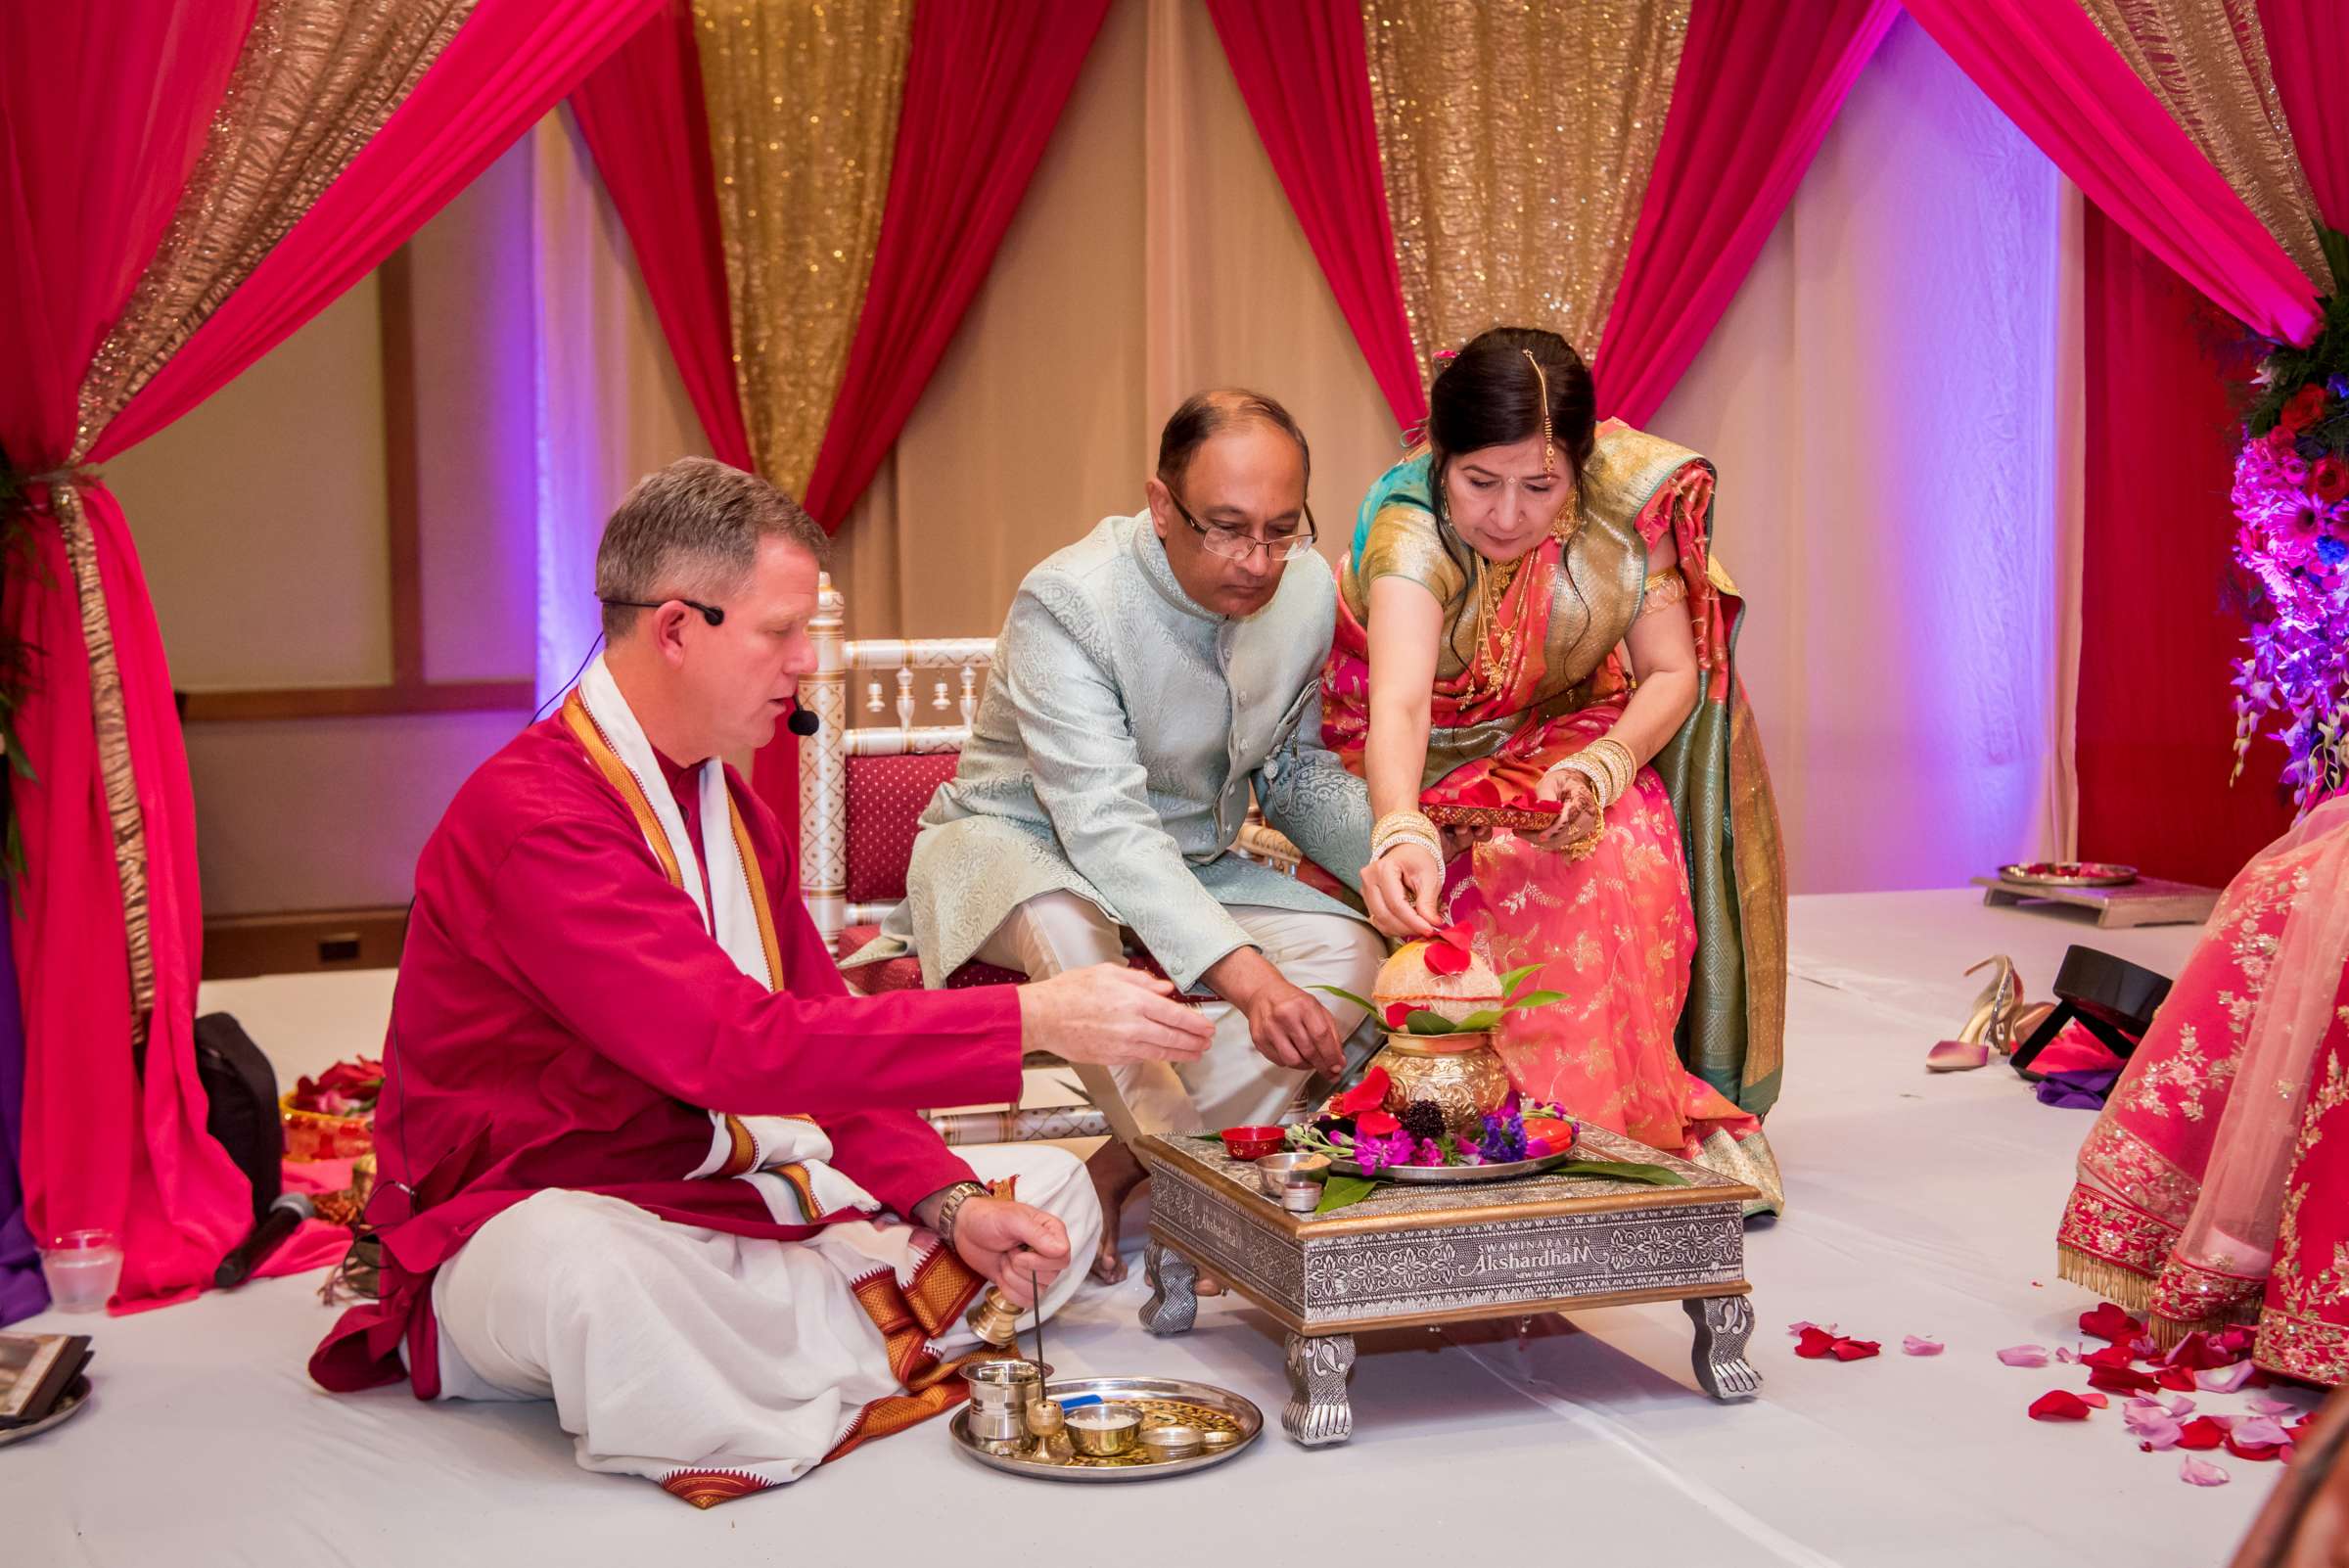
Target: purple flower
2331, 550
1372, 1155
1503, 1137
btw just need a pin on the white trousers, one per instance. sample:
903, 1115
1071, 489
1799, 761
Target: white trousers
671, 1348
1232, 1084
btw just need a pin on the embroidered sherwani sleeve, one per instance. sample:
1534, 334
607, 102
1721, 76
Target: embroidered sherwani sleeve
1308, 793
1088, 776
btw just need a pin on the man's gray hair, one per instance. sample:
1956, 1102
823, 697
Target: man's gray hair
692, 530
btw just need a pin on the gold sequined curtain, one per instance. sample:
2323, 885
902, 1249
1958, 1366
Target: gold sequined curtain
315, 82
803, 98
2207, 61
1517, 140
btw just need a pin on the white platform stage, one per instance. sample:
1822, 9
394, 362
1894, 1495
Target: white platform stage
1918, 1205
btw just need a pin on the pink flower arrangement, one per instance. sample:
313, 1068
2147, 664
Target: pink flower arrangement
2292, 498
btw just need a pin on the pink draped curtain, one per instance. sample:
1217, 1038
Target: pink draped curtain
103, 108
1301, 66
1759, 83
2308, 40
2046, 67
645, 123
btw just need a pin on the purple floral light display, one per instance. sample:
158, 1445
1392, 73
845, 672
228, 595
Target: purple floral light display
2291, 496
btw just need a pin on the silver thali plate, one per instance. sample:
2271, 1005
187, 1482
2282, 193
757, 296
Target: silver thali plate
69, 1405
2068, 874
1454, 1176
1164, 1402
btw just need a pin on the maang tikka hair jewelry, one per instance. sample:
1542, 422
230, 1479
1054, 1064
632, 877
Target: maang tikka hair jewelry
1549, 445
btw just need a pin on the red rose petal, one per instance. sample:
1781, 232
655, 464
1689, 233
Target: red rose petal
2096, 1400
1377, 1124
2058, 1405
1368, 1095
1399, 1014
1443, 958
2114, 1356
2109, 1323
2121, 1380
1855, 1350
2201, 1433
2176, 1378
1814, 1343
2254, 1451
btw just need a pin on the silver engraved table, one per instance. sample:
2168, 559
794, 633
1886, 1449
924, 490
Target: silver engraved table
1410, 1257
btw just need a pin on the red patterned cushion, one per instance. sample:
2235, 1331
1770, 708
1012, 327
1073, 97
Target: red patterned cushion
886, 797
905, 974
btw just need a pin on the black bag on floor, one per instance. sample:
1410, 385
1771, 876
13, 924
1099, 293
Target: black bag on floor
2112, 998
241, 1089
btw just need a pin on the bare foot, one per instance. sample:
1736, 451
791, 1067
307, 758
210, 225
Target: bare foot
1116, 1173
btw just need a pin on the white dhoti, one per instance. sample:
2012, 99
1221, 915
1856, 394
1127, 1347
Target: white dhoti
1231, 1084
717, 1364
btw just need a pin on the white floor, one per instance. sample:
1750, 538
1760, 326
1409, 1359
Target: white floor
1919, 1205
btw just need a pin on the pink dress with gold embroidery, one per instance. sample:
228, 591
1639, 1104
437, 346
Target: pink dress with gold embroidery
2214, 1189
1532, 680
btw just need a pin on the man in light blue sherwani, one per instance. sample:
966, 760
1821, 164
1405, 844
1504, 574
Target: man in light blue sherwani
1148, 677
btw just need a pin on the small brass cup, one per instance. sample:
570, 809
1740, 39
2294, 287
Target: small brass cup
1104, 1431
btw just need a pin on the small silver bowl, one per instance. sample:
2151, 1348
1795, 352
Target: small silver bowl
1283, 1174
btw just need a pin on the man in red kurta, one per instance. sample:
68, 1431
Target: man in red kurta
640, 1150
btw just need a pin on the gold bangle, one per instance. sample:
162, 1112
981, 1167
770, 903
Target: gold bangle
1396, 824
1622, 769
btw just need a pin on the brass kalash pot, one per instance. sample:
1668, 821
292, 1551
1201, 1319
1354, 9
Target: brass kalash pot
1461, 1074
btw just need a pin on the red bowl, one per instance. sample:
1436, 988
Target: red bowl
1253, 1142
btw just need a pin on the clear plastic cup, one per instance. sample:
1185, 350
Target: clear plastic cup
82, 1267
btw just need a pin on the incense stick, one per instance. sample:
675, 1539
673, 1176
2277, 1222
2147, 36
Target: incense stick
1035, 1298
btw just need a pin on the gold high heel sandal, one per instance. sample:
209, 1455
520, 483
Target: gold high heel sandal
1991, 1026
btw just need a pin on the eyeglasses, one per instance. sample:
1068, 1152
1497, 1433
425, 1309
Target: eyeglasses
1235, 544
710, 612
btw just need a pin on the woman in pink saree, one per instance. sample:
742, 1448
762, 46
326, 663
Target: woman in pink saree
1529, 611
2214, 1189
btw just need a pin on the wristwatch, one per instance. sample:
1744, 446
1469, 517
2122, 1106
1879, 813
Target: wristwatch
960, 1193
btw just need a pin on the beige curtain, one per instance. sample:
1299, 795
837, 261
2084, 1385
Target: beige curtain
1517, 141
609, 406
800, 196
1155, 255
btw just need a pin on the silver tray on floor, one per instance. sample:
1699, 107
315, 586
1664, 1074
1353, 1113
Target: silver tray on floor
2067, 874
70, 1403
1160, 1397
1454, 1176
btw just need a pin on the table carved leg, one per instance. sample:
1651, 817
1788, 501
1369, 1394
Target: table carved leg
1173, 1304
1317, 1412
1723, 1323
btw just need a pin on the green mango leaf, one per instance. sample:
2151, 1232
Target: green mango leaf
1341, 1191
1516, 978
1654, 1175
1477, 1021
1422, 1022
1535, 998
1343, 994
